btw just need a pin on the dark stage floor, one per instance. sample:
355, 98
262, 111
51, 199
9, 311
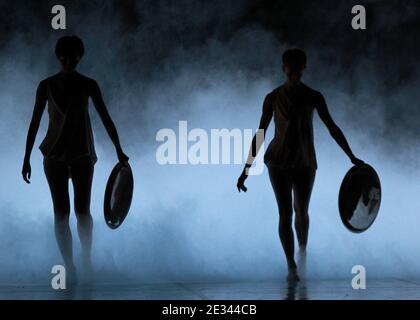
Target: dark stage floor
313, 290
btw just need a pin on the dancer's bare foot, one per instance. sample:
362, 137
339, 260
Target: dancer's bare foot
302, 261
71, 276
292, 276
87, 270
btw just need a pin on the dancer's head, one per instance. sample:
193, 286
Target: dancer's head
294, 62
69, 50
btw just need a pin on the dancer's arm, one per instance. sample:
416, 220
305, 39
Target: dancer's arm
107, 120
257, 141
334, 130
40, 101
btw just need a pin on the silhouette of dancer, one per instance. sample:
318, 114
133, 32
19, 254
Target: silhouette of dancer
68, 147
290, 156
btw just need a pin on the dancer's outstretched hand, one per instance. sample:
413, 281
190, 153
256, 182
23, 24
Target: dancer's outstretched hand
357, 162
241, 182
26, 171
122, 157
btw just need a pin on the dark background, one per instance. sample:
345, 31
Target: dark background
142, 37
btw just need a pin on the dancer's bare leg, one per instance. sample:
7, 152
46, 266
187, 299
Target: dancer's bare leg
57, 176
64, 238
302, 188
282, 187
82, 183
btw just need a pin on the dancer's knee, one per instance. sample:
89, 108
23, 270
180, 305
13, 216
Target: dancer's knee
61, 215
285, 221
82, 212
83, 217
302, 217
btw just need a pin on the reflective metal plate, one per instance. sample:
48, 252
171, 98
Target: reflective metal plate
359, 198
118, 195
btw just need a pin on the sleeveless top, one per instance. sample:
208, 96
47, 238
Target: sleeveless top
69, 136
293, 142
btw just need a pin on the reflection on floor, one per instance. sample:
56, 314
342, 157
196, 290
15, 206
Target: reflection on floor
314, 290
